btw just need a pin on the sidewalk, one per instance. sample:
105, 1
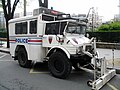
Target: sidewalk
4, 49
115, 65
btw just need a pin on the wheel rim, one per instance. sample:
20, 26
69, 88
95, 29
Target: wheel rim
59, 66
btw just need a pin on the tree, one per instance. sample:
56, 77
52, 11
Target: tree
8, 10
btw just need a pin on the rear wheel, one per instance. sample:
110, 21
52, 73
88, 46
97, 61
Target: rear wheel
23, 58
59, 65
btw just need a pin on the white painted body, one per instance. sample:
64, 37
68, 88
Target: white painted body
33, 43
38, 45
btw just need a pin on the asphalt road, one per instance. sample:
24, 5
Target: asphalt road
14, 77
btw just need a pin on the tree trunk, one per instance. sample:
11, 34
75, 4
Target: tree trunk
7, 27
8, 14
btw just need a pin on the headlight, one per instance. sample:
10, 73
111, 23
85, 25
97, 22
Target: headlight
79, 50
88, 48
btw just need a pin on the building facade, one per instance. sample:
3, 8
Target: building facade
2, 20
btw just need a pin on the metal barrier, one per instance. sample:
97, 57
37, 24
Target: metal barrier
111, 37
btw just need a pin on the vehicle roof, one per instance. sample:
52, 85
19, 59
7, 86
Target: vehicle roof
27, 18
35, 17
22, 19
69, 20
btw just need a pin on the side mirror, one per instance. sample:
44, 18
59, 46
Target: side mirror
87, 35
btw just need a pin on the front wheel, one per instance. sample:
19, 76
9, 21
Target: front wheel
59, 65
23, 58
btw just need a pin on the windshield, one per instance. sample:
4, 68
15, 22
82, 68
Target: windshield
74, 28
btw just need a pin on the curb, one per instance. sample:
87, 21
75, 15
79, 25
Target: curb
108, 45
5, 51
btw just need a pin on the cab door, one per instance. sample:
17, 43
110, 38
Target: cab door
50, 38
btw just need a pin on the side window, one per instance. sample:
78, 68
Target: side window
24, 28
33, 27
52, 28
21, 28
17, 28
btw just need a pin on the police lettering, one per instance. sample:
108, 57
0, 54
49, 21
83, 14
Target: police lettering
22, 40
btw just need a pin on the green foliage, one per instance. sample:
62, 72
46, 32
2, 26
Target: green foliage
113, 27
2, 30
3, 34
107, 31
104, 27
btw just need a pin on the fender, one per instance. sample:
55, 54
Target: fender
58, 48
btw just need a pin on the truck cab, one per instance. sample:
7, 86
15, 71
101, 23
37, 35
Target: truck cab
66, 38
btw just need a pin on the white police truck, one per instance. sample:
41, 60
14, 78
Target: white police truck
54, 37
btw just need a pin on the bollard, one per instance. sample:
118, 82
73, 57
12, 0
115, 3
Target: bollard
113, 57
0, 42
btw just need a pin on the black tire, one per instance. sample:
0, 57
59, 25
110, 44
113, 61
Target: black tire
23, 58
59, 65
